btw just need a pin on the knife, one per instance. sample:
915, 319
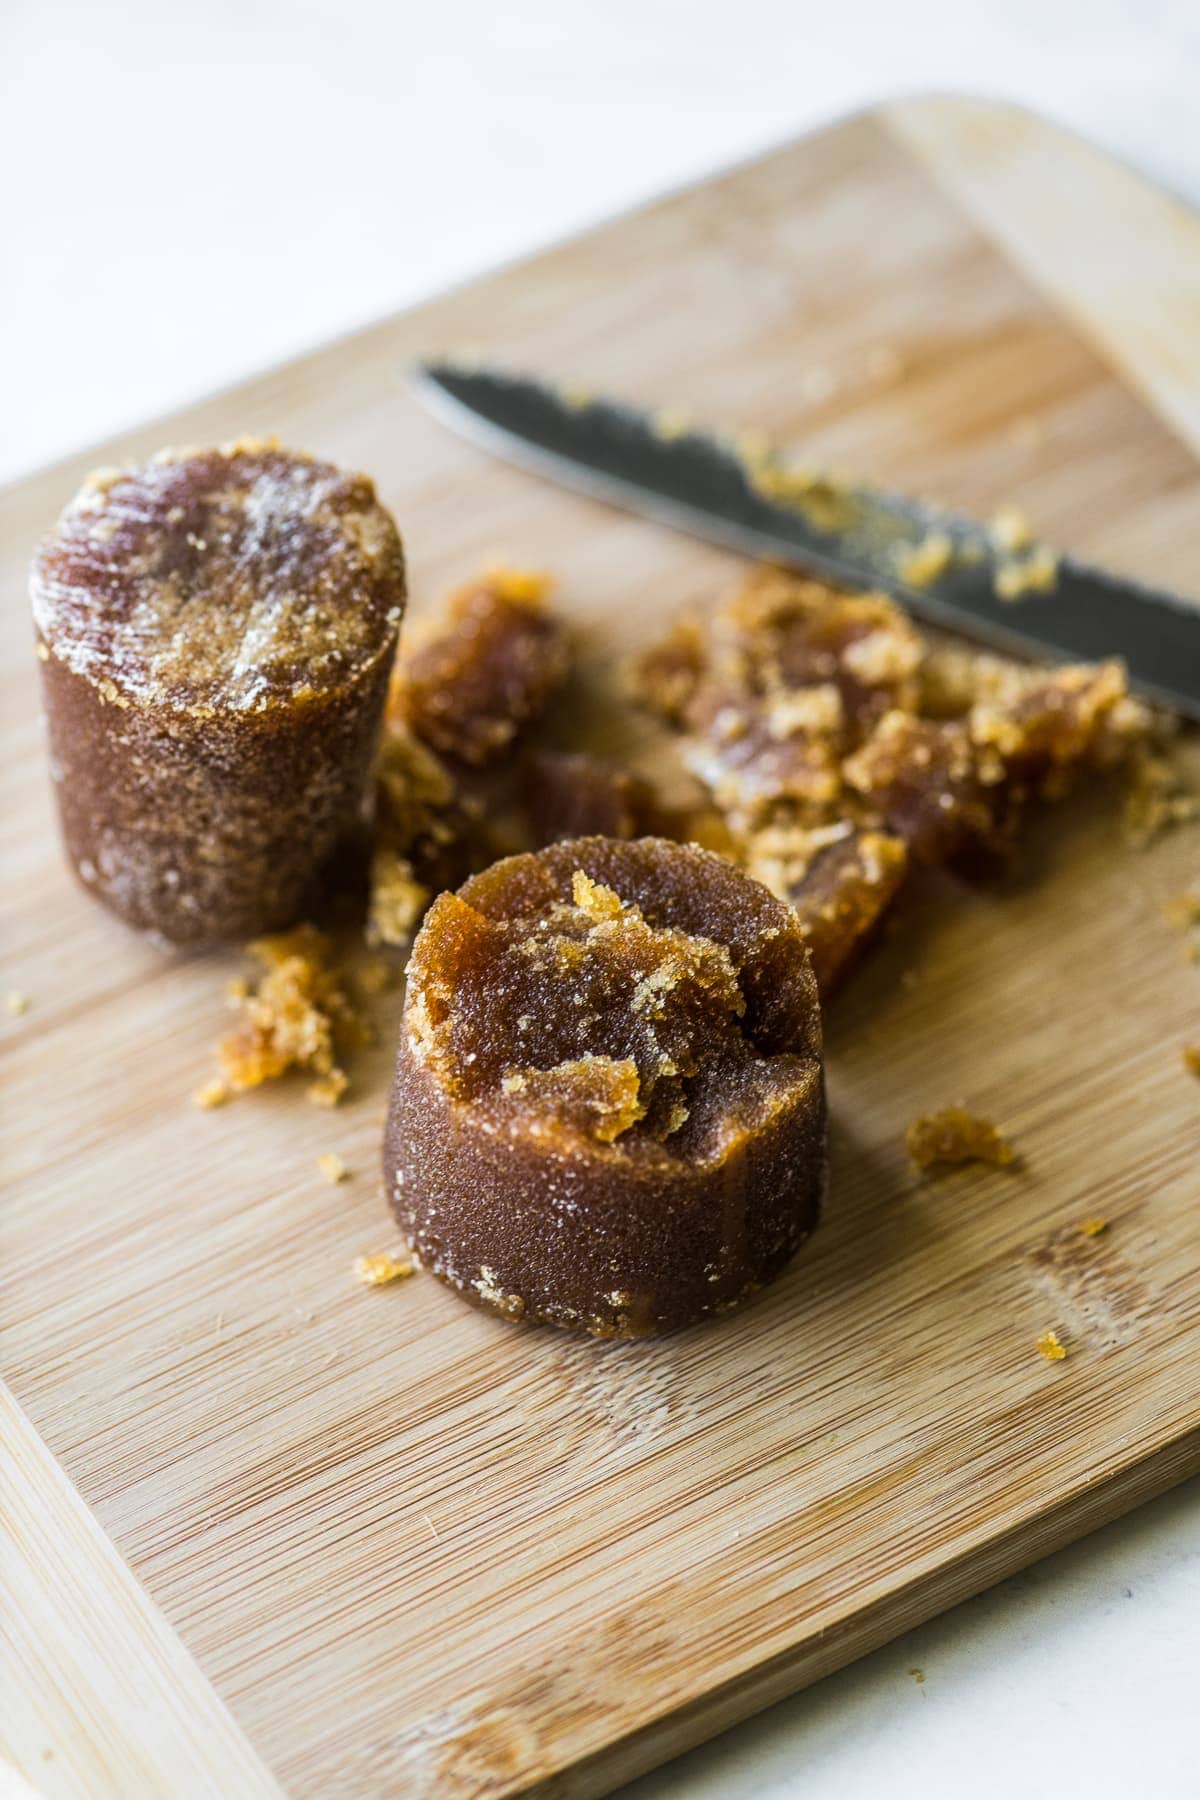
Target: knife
946, 568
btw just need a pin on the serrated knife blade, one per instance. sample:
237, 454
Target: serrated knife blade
861, 536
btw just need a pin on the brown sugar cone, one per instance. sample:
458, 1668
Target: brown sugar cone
608, 1110
216, 630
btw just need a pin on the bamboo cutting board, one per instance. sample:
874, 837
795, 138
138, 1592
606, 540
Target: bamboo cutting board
272, 1531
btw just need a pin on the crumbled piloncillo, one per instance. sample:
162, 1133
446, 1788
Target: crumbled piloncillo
479, 672
955, 1135
840, 878
825, 727
298, 1016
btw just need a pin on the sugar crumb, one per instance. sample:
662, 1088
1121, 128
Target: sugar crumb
927, 561
398, 900
332, 1167
1156, 800
1010, 530
593, 898
214, 1093
380, 1271
1093, 1227
1036, 573
297, 1016
328, 1089
16, 1003
668, 425
954, 1135
1051, 1346
526, 586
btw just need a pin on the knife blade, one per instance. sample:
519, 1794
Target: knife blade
943, 566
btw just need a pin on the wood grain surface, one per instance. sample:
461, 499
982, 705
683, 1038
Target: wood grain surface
379, 1544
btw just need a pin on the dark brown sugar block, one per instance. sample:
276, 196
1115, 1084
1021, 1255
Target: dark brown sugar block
608, 1110
216, 630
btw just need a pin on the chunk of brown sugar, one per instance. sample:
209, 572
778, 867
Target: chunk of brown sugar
1047, 724
753, 766
955, 1135
483, 669
569, 794
933, 788
789, 675
841, 880
609, 1084
781, 634
665, 677
428, 836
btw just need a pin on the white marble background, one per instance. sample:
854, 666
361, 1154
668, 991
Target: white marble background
190, 192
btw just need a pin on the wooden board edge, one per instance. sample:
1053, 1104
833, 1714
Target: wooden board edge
100, 1697
1074, 236
972, 1573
